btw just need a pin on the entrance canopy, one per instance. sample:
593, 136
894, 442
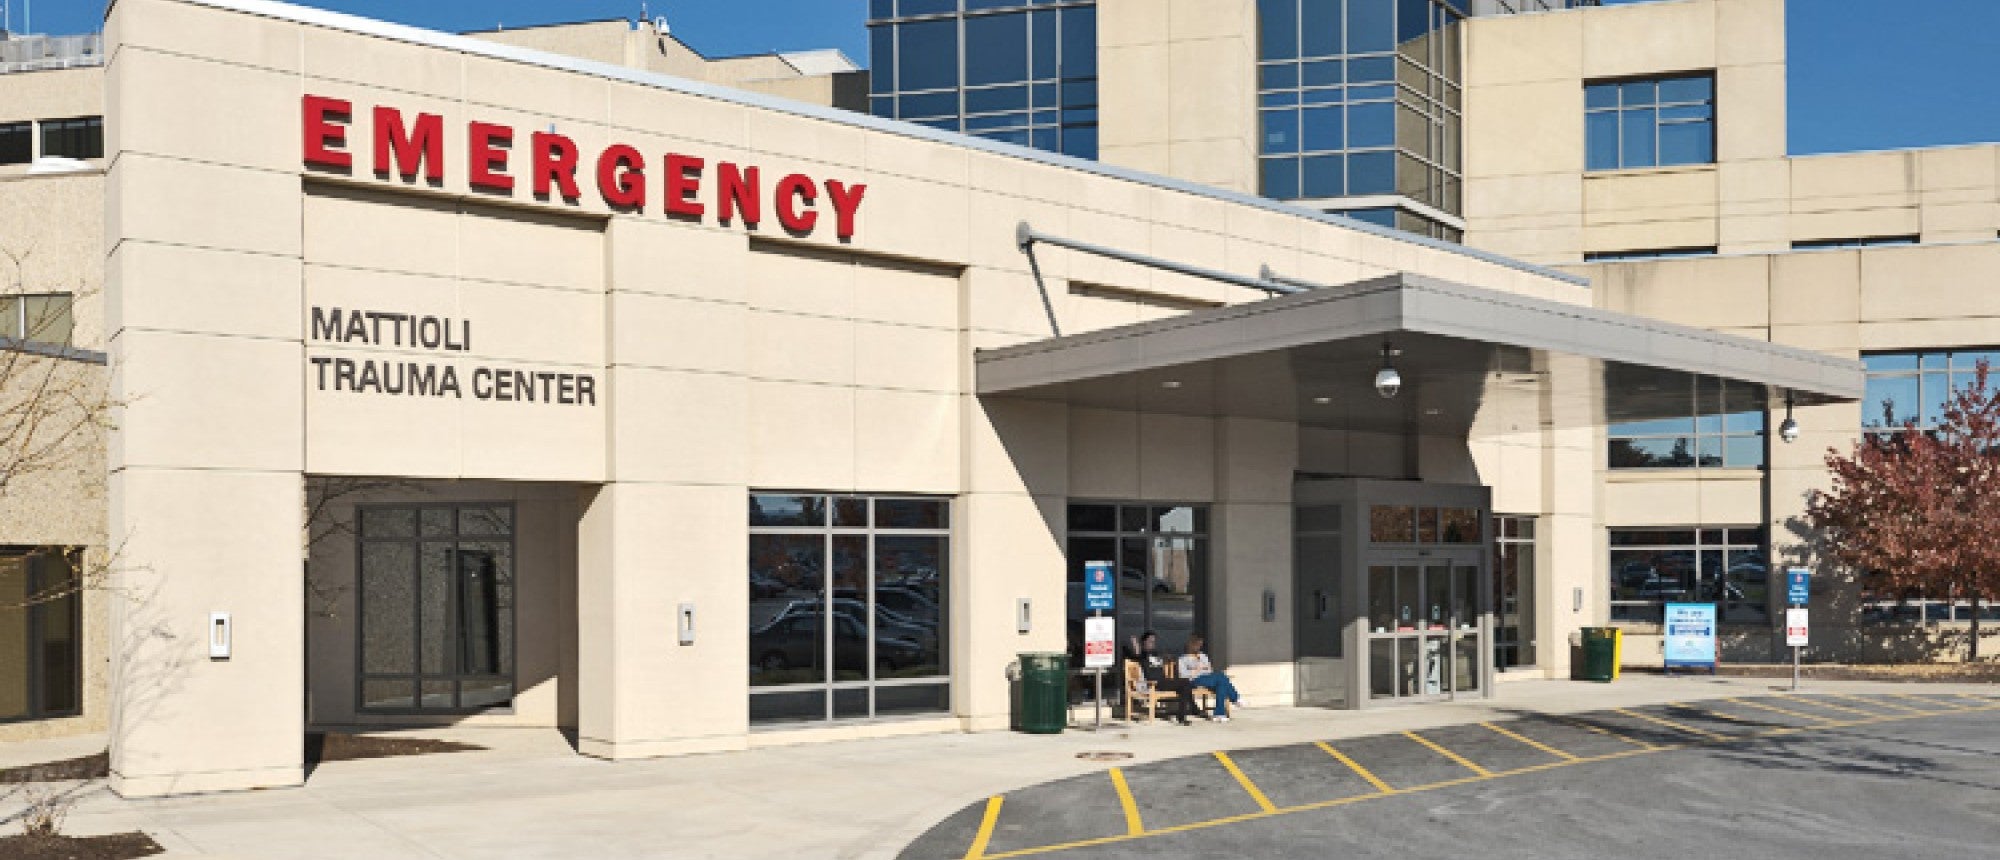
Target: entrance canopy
1311, 357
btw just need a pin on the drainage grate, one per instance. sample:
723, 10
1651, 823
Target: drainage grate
1104, 756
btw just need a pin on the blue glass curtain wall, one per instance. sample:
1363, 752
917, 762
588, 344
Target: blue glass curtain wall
1361, 97
1010, 70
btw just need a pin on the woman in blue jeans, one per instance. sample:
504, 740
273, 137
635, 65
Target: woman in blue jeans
1195, 666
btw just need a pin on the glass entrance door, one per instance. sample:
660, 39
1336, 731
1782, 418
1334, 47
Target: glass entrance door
1423, 628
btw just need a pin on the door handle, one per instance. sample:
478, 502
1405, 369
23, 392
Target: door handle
1319, 605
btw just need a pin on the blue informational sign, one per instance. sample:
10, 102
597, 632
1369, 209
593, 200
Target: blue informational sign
1690, 635
1798, 586
1100, 591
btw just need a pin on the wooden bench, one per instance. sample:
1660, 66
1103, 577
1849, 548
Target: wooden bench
1141, 694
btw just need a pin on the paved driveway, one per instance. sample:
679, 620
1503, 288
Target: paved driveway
1814, 777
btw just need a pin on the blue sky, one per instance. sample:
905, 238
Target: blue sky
1865, 74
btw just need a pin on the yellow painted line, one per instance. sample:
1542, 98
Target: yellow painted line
1777, 710
985, 834
1256, 794
1942, 706
1605, 732
1741, 721
1531, 742
1448, 753
1878, 701
1386, 791
1373, 780
1671, 724
1820, 701
1133, 825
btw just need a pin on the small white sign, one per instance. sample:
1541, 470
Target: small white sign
1100, 643
1795, 627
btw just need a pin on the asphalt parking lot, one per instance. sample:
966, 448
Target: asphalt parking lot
1818, 776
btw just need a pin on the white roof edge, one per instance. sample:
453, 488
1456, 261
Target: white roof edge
469, 45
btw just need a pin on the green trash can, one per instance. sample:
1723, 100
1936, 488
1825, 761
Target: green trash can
1600, 653
1044, 701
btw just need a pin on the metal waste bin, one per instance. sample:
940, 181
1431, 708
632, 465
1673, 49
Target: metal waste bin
1601, 649
1043, 706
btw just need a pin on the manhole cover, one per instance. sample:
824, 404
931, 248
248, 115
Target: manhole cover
1104, 756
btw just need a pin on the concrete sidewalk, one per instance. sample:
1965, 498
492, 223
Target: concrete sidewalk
530, 796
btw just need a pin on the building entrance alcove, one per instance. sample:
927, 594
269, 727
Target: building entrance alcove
1392, 581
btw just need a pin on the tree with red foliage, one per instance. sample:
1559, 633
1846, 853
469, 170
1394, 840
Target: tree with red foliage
1921, 507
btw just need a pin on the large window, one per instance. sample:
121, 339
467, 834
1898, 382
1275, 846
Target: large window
847, 607
1513, 591
1656, 566
40, 635
437, 608
1650, 122
1360, 98
38, 318
1160, 554
1724, 429
1010, 70
82, 137
1906, 387
17, 142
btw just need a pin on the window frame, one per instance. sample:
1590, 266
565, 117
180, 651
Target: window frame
16, 330
1728, 546
1717, 393
1200, 591
1922, 372
1060, 112
1618, 111
88, 129
829, 686
417, 676
34, 674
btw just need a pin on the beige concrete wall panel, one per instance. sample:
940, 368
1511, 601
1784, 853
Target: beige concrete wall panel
887, 291
1930, 283
1133, 22
1255, 460
1673, 193
539, 441
801, 435
178, 288
511, 322
54, 93
329, 55
1513, 49
1523, 200
678, 427
801, 281
897, 155
1229, 164
815, 90
1146, 157
906, 358
216, 206
1016, 446
1867, 178
52, 240
651, 110
1967, 331
1649, 38
529, 248
1006, 547
1133, 77
1843, 339
806, 139
349, 433
1214, 82
207, 402
674, 333
902, 217
383, 232
632, 681
1709, 292
988, 232
186, 28
1008, 302
1525, 129
671, 259
1820, 287
1103, 459
1695, 232
1750, 105
1253, 548
796, 348
156, 117
1861, 221
1749, 32
906, 441
599, 41
183, 722
521, 88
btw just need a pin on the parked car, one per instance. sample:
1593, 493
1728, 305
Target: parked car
796, 641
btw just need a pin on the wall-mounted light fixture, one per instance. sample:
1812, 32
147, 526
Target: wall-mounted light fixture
1789, 429
1387, 380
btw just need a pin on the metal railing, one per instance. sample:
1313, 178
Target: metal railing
39, 53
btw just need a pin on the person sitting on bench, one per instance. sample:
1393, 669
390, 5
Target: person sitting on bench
1196, 668
1144, 650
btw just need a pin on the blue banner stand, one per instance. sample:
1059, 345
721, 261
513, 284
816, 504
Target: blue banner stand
1690, 637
